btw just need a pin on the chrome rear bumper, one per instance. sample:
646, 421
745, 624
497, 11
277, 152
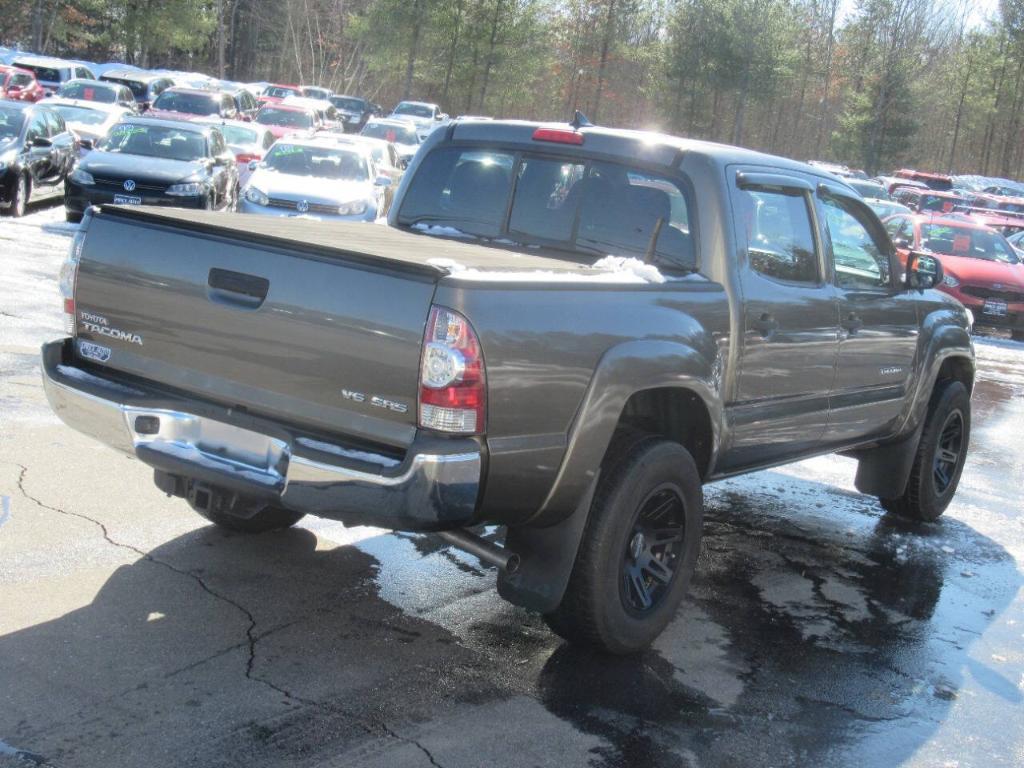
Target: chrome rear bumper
436, 486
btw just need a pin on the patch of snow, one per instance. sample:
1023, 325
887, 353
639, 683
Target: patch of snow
437, 229
337, 450
648, 273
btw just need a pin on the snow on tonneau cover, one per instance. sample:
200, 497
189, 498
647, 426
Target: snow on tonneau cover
287, 318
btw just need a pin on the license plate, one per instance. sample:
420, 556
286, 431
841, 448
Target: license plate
127, 200
995, 307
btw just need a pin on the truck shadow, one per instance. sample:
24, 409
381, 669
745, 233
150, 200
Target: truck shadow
810, 632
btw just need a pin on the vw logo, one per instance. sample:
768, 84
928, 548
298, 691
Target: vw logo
129, 185
302, 206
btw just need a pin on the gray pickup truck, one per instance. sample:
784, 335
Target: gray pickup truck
564, 330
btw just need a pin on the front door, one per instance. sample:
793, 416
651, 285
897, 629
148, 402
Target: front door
790, 337
878, 322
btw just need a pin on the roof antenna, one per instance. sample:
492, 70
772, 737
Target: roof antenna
579, 120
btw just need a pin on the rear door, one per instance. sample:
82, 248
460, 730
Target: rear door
790, 335
878, 321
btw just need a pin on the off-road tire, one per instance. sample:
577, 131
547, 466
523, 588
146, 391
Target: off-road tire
923, 498
73, 217
268, 519
595, 609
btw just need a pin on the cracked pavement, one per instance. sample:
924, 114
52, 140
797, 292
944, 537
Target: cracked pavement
818, 631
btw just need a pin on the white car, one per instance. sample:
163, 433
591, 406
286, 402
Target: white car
90, 120
316, 178
401, 133
426, 117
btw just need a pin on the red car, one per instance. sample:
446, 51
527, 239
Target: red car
937, 181
981, 268
283, 120
19, 85
190, 103
275, 94
928, 200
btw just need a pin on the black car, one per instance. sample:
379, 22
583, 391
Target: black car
37, 152
145, 86
147, 161
353, 112
99, 90
245, 103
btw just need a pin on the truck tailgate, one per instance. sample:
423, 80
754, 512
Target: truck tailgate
237, 310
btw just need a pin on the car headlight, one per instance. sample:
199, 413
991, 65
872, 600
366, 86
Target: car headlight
188, 189
352, 209
951, 281
256, 196
78, 176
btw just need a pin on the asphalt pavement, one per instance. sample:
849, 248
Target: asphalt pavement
818, 631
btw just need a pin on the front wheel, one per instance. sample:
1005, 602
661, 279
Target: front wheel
638, 552
73, 217
19, 199
940, 458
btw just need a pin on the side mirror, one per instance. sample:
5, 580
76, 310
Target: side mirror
253, 165
86, 144
924, 271
382, 181
41, 141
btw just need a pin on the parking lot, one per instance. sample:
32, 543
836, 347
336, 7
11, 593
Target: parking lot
817, 631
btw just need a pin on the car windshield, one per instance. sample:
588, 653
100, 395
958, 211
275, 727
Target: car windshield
42, 73
315, 93
869, 190
400, 134
278, 92
590, 207
189, 103
155, 141
416, 110
349, 105
236, 134
81, 115
289, 118
88, 92
937, 203
138, 89
1011, 207
968, 243
321, 162
10, 123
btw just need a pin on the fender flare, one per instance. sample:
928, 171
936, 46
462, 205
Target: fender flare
548, 545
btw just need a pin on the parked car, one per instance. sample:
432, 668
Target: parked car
426, 117
99, 90
91, 121
869, 190
284, 120
316, 92
353, 112
275, 94
416, 377
246, 105
928, 200
885, 208
19, 85
327, 114
52, 73
386, 160
937, 181
892, 182
1017, 241
145, 86
248, 141
179, 103
149, 161
401, 133
316, 177
981, 268
37, 152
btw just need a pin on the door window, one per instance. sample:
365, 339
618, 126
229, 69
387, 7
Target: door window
36, 129
780, 240
860, 261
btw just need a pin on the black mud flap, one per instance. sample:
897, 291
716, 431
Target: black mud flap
884, 471
547, 556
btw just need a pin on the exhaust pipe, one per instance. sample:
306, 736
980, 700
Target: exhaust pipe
482, 549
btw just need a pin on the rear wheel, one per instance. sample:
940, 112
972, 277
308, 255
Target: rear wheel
1017, 335
72, 216
639, 549
940, 458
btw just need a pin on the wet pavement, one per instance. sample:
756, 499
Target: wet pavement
818, 631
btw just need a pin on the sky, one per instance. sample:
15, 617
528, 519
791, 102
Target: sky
980, 10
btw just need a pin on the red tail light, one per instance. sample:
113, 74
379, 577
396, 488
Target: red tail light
558, 135
69, 276
246, 158
453, 386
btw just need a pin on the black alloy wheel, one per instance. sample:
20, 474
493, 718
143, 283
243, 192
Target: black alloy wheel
947, 455
649, 564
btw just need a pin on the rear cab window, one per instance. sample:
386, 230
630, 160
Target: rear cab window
592, 207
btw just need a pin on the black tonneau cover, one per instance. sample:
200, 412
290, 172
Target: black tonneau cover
353, 240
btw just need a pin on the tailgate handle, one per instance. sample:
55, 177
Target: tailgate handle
237, 288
